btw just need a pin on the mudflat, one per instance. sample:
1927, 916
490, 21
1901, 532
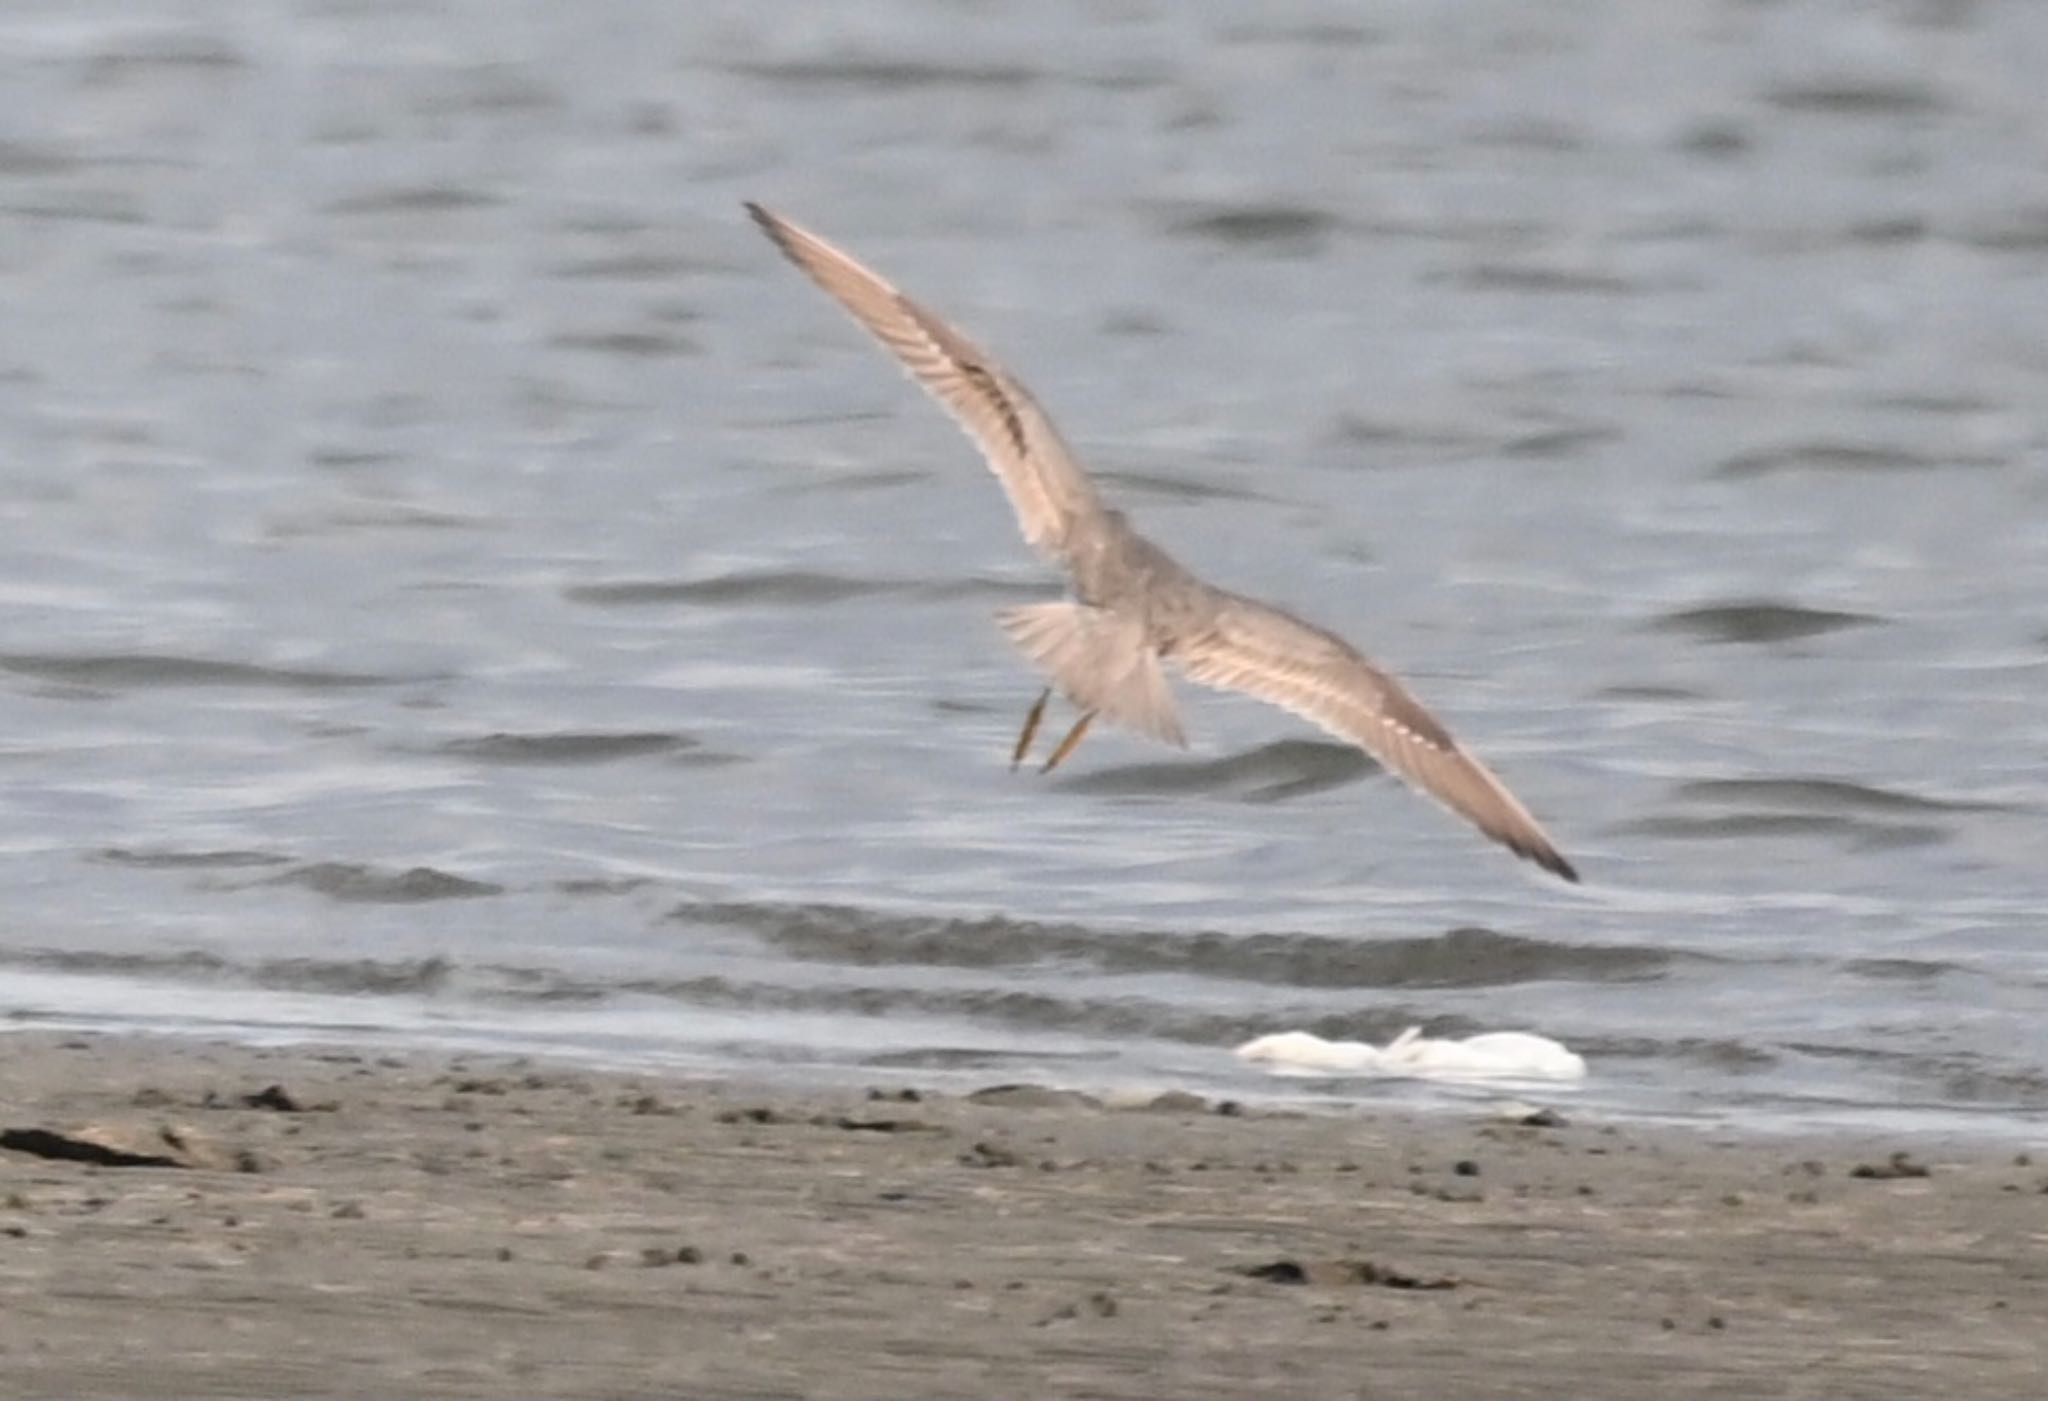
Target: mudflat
225, 1220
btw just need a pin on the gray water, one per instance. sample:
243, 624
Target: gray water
460, 585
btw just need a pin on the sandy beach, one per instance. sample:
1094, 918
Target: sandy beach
342, 1222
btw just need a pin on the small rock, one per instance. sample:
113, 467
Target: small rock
1175, 1102
657, 1256
273, 1097
1329, 1273
989, 1155
883, 1125
1900, 1164
123, 1145
1033, 1097
755, 1114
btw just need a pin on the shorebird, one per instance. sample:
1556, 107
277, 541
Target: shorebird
1134, 607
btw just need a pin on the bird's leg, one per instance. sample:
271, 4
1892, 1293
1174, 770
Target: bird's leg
1067, 745
1031, 720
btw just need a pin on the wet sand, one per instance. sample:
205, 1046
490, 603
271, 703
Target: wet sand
431, 1225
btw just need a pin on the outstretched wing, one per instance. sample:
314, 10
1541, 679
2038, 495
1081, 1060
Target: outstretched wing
1264, 652
1051, 494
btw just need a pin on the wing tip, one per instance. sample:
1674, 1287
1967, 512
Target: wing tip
770, 223
1551, 860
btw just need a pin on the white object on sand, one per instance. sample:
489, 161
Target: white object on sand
1494, 1055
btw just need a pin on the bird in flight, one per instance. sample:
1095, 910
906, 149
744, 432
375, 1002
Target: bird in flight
1134, 608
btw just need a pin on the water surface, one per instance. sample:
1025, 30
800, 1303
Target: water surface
460, 584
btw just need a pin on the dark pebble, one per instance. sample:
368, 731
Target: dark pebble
275, 1097
1899, 1165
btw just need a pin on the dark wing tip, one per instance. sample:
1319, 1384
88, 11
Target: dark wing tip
770, 225
1552, 860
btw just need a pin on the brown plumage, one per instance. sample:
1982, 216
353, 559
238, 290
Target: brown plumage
1134, 606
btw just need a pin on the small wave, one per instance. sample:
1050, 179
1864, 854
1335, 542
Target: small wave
192, 860
781, 587
1759, 620
603, 885
1855, 97
414, 199
31, 158
153, 669
564, 748
1825, 457
1257, 223
874, 479
1863, 833
888, 75
631, 267
2023, 230
1437, 441
81, 207
378, 516
1284, 769
353, 883
1825, 794
632, 344
1945, 403
1563, 441
1466, 957
1535, 277
344, 976
162, 53
1313, 34
1177, 488
1121, 1017
1723, 1054
1892, 970
1650, 693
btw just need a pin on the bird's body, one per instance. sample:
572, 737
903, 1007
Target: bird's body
1135, 607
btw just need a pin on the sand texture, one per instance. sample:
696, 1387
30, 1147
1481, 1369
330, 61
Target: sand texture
323, 1223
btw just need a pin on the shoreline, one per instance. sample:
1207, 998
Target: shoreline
463, 1224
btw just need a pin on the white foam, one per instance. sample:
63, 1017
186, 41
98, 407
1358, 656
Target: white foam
1493, 1055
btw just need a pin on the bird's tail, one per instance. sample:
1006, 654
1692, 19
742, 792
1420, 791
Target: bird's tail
1101, 661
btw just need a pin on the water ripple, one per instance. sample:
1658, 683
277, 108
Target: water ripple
1467, 957
1759, 620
